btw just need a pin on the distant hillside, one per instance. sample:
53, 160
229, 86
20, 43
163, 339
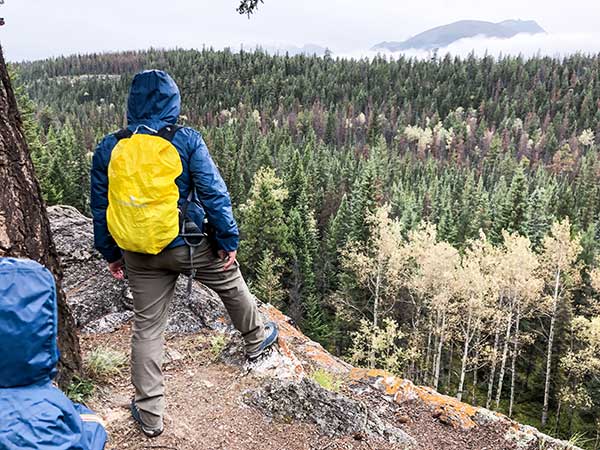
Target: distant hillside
447, 34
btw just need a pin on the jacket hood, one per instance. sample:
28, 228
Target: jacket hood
28, 323
154, 100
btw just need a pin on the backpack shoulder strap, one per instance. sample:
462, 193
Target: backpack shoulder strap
168, 132
122, 134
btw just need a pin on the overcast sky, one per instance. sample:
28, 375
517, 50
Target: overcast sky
40, 28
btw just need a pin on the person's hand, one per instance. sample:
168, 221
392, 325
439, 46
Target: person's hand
116, 269
229, 257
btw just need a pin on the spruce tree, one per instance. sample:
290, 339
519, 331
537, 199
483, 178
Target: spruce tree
267, 286
537, 219
515, 205
500, 210
263, 226
304, 243
363, 201
316, 324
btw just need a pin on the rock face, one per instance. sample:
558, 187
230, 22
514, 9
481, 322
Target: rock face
100, 303
451, 412
372, 403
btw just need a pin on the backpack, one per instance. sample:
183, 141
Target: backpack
142, 213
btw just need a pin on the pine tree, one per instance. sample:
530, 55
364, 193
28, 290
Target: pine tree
468, 219
363, 201
537, 221
587, 193
500, 210
333, 242
267, 286
316, 324
263, 224
447, 226
296, 181
76, 169
514, 208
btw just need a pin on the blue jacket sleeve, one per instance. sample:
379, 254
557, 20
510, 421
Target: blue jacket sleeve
103, 241
213, 194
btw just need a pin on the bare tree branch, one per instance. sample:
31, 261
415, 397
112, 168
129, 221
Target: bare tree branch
248, 6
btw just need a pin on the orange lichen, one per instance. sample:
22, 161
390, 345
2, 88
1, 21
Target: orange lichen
284, 349
447, 409
320, 357
450, 410
285, 328
359, 374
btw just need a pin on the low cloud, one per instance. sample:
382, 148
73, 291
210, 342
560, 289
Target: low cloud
527, 45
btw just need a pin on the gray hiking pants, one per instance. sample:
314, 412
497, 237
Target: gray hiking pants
152, 280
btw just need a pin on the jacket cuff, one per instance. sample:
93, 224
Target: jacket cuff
112, 255
229, 245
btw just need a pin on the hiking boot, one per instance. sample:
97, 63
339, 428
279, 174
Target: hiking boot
271, 335
150, 432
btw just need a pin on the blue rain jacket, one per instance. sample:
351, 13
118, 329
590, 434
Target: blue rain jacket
33, 413
154, 102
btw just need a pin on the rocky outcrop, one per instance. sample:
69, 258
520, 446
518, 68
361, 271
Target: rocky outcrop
450, 411
102, 304
371, 403
333, 413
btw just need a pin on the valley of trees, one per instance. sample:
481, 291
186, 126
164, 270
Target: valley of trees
439, 219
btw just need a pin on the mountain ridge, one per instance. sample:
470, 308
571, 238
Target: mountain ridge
444, 35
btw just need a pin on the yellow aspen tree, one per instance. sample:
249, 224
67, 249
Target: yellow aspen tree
379, 268
434, 280
474, 290
560, 272
580, 365
524, 288
497, 318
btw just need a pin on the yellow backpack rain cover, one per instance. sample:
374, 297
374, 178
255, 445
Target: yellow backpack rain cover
142, 213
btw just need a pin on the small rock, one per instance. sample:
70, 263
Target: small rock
521, 437
403, 418
485, 417
172, 355
108, 323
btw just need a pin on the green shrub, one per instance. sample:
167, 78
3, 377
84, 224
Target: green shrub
80, 389
217, 344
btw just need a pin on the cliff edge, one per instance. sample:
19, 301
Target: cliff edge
217, 400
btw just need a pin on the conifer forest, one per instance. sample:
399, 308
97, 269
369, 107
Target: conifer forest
437, 218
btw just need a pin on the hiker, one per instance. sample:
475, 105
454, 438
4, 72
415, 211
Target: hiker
161, 209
